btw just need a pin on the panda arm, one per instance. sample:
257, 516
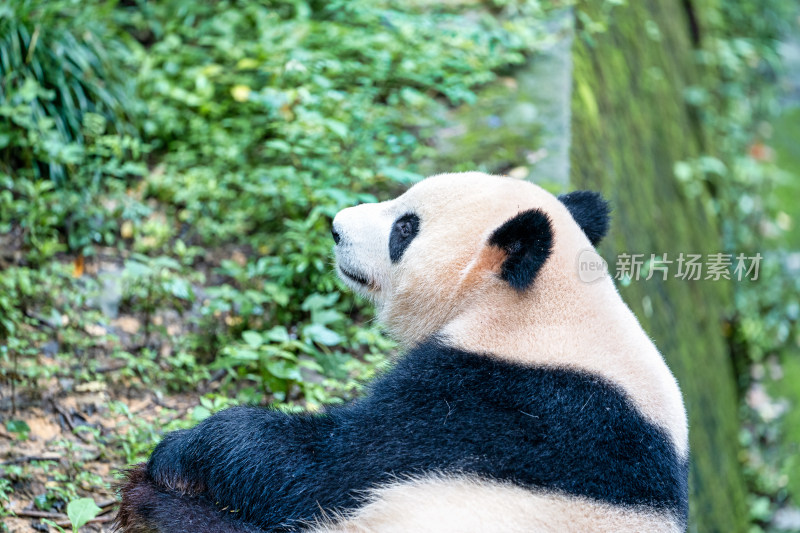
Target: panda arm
252, 462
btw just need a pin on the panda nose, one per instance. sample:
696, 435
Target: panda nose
335, 233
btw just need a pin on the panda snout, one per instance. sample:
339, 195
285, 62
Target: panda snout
337, 236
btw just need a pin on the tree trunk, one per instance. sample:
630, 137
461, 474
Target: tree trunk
630, 124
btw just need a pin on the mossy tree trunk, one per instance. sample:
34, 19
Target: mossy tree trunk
630, 125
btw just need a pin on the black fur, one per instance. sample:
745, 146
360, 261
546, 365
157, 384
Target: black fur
148, 507
528, 240
439, 410
403, 232
590, 211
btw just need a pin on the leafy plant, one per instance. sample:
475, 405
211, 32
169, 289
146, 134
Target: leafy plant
67, 130
20, 427
184, 159
153, 284
60, 61
741, 51
80, 511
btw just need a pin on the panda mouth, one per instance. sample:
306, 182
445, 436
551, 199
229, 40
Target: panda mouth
358, 278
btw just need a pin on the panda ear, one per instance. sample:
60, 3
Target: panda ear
590, 210
527, 240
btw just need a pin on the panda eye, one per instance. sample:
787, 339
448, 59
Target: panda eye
404, 230
404, 227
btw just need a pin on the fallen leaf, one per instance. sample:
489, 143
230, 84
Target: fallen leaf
128, 324
91, 386
77, 266
239, 258
126, 229
95, 330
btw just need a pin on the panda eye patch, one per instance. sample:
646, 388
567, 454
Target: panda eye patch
404, 230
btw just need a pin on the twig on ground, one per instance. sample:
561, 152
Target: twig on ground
42, 320
211, 383
110, 368
30, 513
102, 504
68, 421
179, 412
98, 520
29, 458
63, 521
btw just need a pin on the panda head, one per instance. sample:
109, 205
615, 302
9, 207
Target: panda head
454, 241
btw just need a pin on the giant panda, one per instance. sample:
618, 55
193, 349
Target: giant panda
527, 400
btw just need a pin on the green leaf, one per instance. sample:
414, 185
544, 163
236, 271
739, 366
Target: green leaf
81, 511
319, 301
278, 334
179, 288
243, 354
53, 525
18, 426
322, 335
136, 269
326, 316
284, 370
200, 413
252, 338
400, 175
338, 128
682, 171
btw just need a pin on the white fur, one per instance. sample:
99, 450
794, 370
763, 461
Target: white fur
469, 505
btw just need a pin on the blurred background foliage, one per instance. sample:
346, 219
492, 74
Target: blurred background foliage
691, 91
183, 131
168, 172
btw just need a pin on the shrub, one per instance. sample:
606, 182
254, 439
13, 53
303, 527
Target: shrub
66, 123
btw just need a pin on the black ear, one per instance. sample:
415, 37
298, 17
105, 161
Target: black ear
590, 211
527, 240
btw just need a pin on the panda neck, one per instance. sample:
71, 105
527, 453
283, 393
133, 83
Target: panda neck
582, 326
547, 321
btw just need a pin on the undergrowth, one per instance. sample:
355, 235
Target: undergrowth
168, 173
